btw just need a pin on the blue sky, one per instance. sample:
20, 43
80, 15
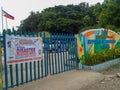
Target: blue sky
21, 9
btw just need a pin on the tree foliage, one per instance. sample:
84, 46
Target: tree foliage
30, 23
73, 18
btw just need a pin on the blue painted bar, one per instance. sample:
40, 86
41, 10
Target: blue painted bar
40, 74
73, 60
11, 76
11, 70
22, 77
58, 62
45, 53
67, 40
63, 37
26, 67
5, 62
21, 67
16, 66
30, 63
33, 34
52, 70
34, 70
38, 64
61, 59
76, 54
38, 69
30, 71
41, 64
55, 57
48, 57
70, 55
26, 64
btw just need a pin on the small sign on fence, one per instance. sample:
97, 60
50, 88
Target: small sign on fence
23, 49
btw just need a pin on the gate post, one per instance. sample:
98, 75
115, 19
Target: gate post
76, 52
1, 65
5, 62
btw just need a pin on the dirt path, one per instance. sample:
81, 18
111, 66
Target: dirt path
71, 80
110, 82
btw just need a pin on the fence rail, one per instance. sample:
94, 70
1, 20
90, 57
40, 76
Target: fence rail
59, 55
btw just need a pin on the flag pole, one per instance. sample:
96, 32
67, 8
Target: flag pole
6, 24
2, 18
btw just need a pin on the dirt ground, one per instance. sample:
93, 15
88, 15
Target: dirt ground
71, 80
110, 82
77, 80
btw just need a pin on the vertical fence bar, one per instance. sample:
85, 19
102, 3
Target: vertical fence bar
30, 63
49, 57
21, 67
38, 63
70, 56
76, 54
11, 70
58, 49
40, 67
73, 51
26, 64
54, 47
63, 37
5, 62
61, 48
16, 67
69, 53
74, 46
66, 38
52, 71
33, 34
45, 55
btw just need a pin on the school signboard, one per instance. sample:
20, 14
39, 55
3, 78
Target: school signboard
95, 41
23, 49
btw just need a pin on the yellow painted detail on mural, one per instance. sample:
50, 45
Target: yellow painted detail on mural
95, 41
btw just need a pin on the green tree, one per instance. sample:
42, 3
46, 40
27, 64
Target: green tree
31, 23
110, 15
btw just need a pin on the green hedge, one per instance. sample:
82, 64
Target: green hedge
104, 56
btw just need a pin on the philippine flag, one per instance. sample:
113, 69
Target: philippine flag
5, 14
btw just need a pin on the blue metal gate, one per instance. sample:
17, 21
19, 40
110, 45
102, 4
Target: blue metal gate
60, 55
61, 51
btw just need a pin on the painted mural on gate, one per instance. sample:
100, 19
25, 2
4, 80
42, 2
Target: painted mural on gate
95, 41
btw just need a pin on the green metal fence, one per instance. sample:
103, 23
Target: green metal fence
59, 55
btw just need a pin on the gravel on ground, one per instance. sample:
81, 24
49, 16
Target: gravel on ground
110, 82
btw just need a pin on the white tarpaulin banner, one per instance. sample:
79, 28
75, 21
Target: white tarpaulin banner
23, 49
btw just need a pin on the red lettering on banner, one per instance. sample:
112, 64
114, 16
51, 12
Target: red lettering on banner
26, 52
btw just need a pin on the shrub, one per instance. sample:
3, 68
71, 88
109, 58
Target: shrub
101, 57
